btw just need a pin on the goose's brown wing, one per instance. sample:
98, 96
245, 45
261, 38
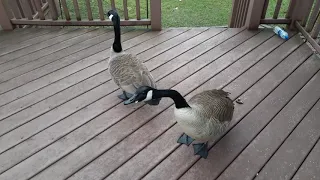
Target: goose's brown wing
129, 73
214, 104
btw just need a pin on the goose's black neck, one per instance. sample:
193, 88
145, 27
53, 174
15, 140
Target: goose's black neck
117, 34
179, 101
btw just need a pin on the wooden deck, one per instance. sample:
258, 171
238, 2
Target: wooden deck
60, 117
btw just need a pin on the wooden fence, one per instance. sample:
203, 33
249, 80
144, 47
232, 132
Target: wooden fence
47, 12
300, 14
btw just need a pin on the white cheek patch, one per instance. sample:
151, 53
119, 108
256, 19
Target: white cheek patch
149, 96
110, 17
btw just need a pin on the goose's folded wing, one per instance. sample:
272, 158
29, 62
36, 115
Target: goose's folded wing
213, 105
129, 73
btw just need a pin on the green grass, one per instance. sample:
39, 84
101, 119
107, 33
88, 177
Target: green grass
176, 13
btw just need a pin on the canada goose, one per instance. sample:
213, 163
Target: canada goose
126, 70
205, 116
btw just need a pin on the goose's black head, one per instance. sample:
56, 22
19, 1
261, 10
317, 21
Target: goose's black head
144, 93
115, 18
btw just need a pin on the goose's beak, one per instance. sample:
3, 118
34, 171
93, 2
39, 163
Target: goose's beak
131, 100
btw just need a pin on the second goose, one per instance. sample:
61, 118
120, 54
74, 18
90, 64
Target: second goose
126, 70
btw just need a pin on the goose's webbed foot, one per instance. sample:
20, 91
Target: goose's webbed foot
125, 96
201, 149
185, 139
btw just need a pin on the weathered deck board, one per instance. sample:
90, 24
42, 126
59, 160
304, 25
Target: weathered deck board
262, 110
24, 40
168, 81
37, 39
38, 50
73, 46
64, 120
251, 160
69, 107
20, 35
288, 158
62, 97
188, 153
74, 60
136, 141
310, 169
98, 106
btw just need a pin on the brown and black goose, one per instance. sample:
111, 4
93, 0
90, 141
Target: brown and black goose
205, 116
126, 70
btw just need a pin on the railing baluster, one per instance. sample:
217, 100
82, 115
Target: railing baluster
313, 16
234, 14
32, 5
101, 13
39, 9
239, 13
308, 10
76, 9
292, 4
254, 14
316, 29
14, 6
155, 7
65, 9
277, 9
53, 10
300, 11
243, 21
265, 8
27, 9
138, 9
4, 17
113, 5
125, 9
89, 11
20, 8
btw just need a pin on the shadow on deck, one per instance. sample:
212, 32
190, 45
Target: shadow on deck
60, 116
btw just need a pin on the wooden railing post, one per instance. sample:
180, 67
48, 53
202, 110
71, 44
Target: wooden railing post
155, 9
300, 10
4, 18
254, 14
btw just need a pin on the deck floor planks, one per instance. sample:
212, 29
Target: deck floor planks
217, 81
103, 65
91, 97
185, 71
6, 48
137, 140
72, 61
83, 141
38, 50
14, 37
38, 39
264, 66
310, 168
164, 155
251, 160
232, 144
80, 43
248, 34
291, 154
63, 96
45, 70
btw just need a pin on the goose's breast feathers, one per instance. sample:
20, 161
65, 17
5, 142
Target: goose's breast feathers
129, 73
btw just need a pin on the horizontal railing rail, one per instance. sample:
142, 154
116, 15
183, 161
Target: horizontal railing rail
58, 13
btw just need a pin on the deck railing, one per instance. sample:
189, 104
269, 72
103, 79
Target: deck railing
50, 12
300, 14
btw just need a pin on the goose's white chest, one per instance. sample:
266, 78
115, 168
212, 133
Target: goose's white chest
189, 121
